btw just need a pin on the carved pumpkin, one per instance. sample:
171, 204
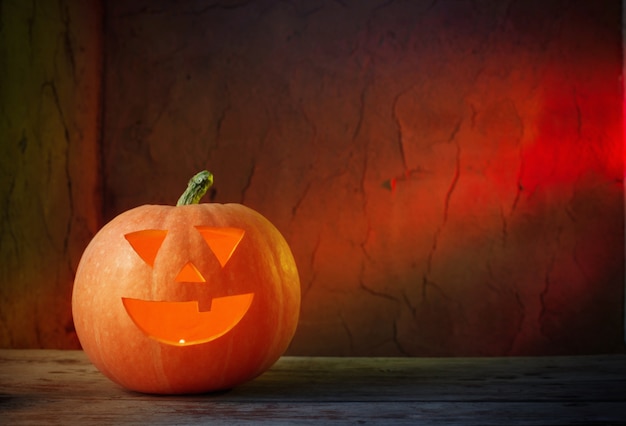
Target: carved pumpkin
188, 298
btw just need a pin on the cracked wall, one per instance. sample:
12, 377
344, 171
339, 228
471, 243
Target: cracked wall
50, 79
447, 173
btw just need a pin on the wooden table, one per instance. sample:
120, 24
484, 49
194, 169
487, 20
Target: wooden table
62, 387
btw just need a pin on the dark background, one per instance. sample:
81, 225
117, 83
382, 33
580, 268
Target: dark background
449, 174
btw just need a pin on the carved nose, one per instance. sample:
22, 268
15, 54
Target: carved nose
190, 274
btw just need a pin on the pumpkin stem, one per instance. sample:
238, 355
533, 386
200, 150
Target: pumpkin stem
196, 188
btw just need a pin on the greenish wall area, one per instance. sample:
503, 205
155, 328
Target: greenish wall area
50, 86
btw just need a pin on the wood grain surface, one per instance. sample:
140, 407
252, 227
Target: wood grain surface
62, 387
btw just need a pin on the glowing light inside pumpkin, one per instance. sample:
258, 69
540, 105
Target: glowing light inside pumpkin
222, 241
189, 273
182, 323
147, 243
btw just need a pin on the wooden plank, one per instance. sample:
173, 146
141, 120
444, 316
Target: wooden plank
63, 387
161, 412
361, 379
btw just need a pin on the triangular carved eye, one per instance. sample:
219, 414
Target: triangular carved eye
146, 243
222, 241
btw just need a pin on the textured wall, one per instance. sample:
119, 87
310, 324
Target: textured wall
448, 173
50, 79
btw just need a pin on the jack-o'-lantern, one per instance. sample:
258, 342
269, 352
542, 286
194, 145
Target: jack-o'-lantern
188, 298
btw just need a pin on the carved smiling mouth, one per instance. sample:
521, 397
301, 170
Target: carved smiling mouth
182, 323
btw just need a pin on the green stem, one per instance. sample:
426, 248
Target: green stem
196, 188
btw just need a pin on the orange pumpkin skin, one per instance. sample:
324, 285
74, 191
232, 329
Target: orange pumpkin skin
110, 270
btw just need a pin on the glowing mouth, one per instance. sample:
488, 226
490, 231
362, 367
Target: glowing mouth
182, 323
